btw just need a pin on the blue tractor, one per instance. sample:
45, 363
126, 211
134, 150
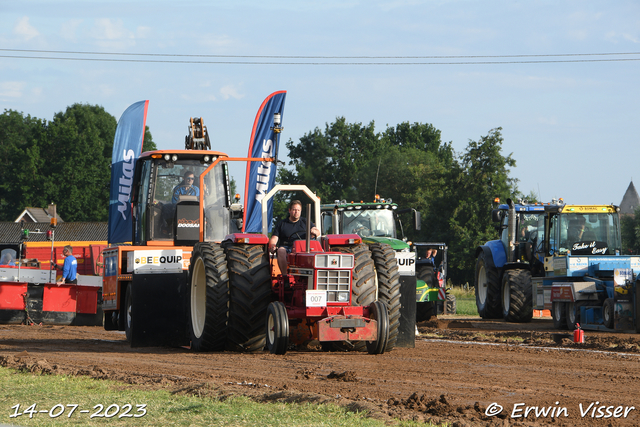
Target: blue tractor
557, 257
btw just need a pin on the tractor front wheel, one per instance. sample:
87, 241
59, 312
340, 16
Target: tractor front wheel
277, 328
208, 298
363, 286
607, 313
487, 286
378, 312
559, 315
572, 310
108, 323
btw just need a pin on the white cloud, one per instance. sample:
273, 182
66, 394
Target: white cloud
210, 40
11, 89
547, 121
578, 35
632, 38
396, 4
24, 29
616, 37
108, 30
143, 32
112, 34
197, 99
68, 29
230, 91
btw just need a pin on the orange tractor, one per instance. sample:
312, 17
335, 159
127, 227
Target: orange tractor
191, 277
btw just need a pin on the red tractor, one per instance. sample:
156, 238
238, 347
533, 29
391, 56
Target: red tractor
257, 306
316, 297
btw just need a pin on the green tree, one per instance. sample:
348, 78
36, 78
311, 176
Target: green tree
79, 149
65, 161
630, 229
147, 143
21, 163
410, 164
329, 162
411, 168
483, 175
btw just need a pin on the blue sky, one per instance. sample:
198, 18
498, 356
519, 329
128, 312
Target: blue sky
572, 127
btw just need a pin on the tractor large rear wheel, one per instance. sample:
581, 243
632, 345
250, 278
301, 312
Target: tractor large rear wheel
487, 286
363, 286
426, 310
249, 296
384, 259
517, 297
208, 298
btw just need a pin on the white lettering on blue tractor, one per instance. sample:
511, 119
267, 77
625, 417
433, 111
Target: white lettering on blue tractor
126, 180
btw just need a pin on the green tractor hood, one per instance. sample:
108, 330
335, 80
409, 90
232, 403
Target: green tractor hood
396, 244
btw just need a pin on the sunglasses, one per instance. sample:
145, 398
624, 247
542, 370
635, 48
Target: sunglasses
189, 178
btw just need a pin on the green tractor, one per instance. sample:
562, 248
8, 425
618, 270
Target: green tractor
432, 295
379, 225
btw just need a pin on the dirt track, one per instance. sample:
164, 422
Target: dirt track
459, 370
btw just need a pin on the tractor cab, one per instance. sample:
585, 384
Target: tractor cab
586, 230
176, 192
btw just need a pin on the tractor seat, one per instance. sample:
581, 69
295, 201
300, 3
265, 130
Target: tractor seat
301, 245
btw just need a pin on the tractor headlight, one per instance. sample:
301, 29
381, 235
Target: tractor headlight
343, 296
167, 157
174, 158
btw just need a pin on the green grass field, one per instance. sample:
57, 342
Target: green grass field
59, 395
465, 301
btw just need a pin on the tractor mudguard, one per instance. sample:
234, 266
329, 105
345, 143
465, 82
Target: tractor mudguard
159, 309
407, 328
247, 238
494, 254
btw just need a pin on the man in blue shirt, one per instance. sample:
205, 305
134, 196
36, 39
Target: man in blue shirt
185, 188
69, 268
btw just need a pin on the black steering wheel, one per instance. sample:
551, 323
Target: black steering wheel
191, 191
298, 235
363, 231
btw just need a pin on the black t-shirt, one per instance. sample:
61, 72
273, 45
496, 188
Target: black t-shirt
286, 231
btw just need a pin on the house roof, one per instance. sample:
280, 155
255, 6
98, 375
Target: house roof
10, 232
36, 215
630, 200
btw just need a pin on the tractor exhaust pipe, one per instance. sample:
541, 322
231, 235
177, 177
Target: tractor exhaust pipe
308, 228
512, 231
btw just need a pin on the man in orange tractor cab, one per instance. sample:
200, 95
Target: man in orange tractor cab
286, 231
